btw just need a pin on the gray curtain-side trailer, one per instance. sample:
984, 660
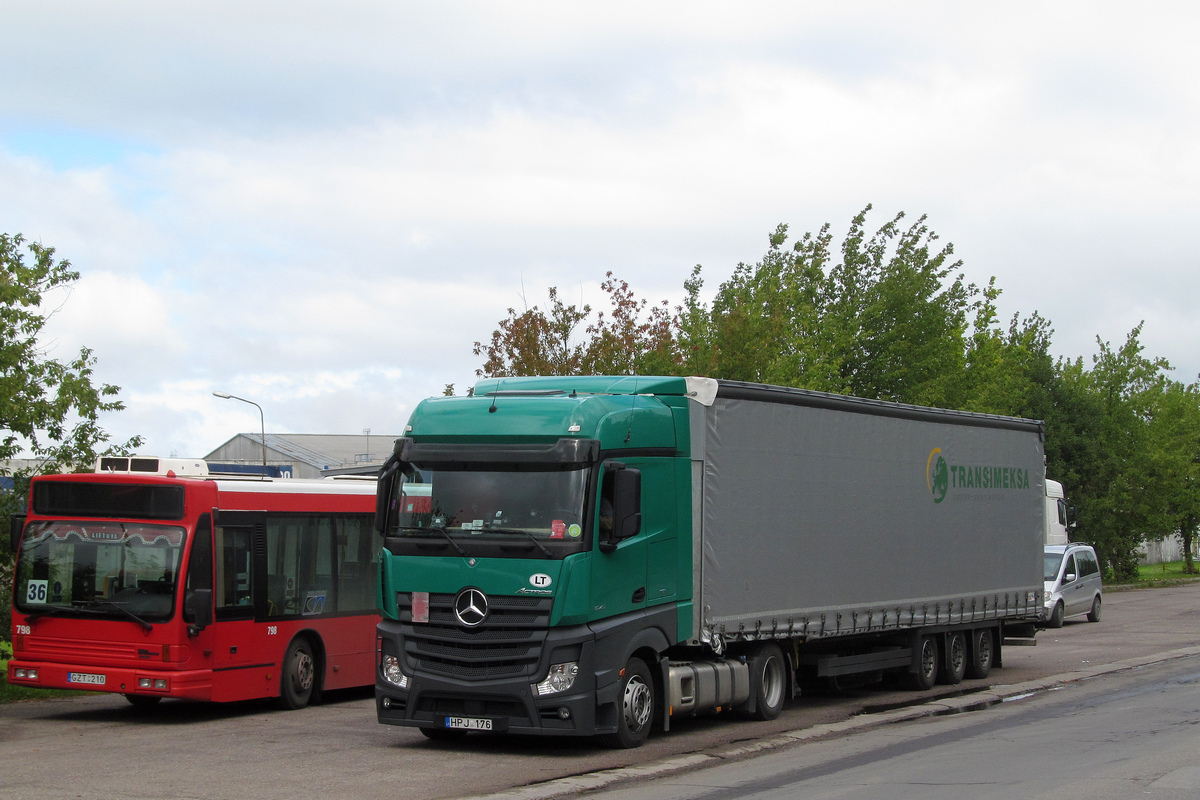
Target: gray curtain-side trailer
865, 535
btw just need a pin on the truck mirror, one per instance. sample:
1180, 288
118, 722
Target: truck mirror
627, 503
197, 605
16, 525
383, 494
1072, 522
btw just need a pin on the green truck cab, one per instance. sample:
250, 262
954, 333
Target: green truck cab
524, 575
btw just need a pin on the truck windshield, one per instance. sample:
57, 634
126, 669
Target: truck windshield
112, 569
534, 507
1052, 562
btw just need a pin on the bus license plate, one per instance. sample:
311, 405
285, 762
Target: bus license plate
469, 723
84, 677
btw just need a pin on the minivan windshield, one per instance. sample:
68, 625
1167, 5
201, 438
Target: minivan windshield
112, 569
1052, 561
539, 508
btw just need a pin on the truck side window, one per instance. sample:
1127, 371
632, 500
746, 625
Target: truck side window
606, 506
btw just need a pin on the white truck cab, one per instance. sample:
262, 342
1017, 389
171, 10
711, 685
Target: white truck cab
1059, 517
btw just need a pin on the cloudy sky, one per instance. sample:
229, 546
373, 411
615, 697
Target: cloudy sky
321, 206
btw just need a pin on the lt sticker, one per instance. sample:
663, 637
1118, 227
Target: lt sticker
540, 581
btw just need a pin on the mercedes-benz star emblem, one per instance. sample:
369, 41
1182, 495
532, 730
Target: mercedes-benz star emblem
470, 607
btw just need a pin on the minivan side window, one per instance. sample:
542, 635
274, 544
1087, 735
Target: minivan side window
1070, 568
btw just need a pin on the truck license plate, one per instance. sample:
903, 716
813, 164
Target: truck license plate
84, 677
469, 723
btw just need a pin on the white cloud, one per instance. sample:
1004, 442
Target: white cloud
322, 208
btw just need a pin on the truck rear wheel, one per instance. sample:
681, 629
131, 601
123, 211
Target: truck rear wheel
982, 653
954, 665
636, 713
925, 664
768, 682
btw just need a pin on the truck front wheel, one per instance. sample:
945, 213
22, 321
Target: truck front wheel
636, 714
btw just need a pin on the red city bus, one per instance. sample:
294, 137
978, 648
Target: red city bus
154, 579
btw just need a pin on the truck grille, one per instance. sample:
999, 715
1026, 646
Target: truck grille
508, 644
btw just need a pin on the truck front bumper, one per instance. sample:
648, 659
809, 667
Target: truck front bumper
512, 705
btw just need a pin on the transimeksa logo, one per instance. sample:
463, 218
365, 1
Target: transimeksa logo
937, 475
942, 477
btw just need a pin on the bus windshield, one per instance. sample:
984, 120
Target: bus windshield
111, 569
483, 505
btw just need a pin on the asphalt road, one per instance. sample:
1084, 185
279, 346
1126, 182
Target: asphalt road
1132, 734
99, 747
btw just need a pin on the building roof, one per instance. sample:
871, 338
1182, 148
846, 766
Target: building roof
320, 450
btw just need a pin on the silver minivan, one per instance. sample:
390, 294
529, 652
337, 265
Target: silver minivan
1072, 583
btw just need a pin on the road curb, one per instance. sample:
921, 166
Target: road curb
975, 701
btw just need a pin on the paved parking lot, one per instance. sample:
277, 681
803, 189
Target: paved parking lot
99, 747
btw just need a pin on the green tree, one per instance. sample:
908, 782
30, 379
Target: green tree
1175, 452
49, 408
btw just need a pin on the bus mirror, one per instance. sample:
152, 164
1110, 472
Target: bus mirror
16, 523
197, 605
627, 503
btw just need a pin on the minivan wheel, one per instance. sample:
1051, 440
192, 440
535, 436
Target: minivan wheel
1094, 614
1056, 617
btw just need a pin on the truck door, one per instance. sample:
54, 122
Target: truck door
618, 574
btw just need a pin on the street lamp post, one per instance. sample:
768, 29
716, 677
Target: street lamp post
261, 420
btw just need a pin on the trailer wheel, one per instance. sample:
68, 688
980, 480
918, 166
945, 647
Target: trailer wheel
768, 682
925, 661
298, 675
955, 664
636, 714
982, 653
1094, 614
1056, 616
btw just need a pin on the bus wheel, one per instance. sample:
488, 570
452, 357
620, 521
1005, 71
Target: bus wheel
637, 708
298, 675
142, 702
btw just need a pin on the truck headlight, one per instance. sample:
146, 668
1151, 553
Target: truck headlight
392, 673
560, 679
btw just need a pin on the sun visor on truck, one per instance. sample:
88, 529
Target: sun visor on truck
449, 455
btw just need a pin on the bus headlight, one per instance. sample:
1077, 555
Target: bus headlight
560, 679
392, 673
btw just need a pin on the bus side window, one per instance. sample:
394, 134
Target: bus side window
234, 572
356, 563
200, 567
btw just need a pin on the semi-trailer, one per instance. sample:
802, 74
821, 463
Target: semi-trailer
596, 556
